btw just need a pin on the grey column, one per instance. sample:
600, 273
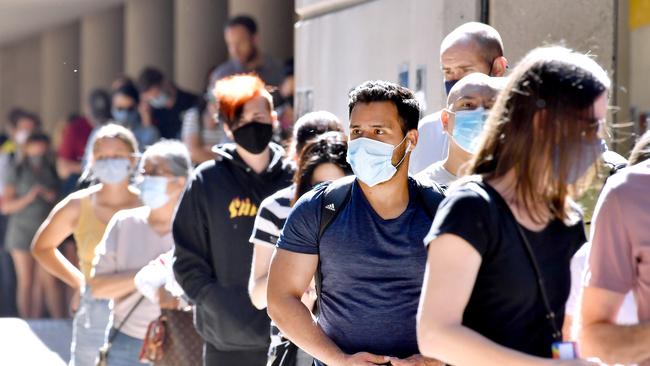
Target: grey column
20, 76
102, 53
60, 70
198, 40
149, 36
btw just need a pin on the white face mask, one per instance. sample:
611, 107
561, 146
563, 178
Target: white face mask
371, 160
153, 191
112, 171
21, 137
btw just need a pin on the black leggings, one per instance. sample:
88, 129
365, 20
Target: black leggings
214, 357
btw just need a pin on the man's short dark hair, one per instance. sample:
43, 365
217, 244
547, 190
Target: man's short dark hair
244, 21
100, 105
14, 115
38, 136
408, 107
149, 78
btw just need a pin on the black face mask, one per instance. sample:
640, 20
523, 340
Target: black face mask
254, 136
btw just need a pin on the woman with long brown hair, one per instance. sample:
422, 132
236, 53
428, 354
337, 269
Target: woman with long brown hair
499, 248
85, 214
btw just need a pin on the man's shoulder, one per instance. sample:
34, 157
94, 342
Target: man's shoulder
226, 68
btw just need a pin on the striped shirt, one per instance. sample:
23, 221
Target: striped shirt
272, 214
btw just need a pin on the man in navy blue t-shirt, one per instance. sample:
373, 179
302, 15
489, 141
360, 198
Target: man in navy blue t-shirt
371, 257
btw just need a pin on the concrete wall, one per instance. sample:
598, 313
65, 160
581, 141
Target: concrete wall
20, 76
373, 40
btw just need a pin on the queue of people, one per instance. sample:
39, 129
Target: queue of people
209, 230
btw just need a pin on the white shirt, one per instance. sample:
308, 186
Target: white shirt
432, 144
437, 173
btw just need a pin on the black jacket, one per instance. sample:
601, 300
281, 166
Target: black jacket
211, 229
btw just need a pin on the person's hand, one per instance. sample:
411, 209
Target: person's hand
34, 192
364, 359
145, 112
166, 300
74, 301
415, 360
48, 195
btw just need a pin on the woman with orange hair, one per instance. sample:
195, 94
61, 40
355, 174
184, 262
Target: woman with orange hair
215, 219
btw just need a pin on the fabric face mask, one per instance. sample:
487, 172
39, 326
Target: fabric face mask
254, 136
112, 171
579, 163
153, 191
160, 101
371, 160
468, 126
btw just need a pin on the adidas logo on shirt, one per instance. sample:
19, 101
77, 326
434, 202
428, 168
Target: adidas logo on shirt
330, 207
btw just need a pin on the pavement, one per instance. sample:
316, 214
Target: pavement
35, 342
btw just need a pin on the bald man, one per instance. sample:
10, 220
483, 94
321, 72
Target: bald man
468, 103
472, 47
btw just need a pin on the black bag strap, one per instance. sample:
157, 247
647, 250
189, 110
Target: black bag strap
128, 315
335, 198
550, 314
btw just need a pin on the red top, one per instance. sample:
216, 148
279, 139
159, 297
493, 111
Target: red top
75, 137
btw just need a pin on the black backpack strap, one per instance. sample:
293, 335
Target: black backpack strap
430, 195
335, 198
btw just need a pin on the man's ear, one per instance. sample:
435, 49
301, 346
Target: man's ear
499, 66
444, 120
228, 131
413, 136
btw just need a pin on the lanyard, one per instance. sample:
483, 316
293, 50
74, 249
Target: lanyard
550, 314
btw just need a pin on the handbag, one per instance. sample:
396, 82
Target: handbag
102, 359
172, 340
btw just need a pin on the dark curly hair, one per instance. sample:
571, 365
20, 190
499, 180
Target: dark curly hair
330, 147
408, 107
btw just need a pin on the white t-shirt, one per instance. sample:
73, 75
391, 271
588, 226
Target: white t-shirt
627, 314
129, 244
438, 174
432, 144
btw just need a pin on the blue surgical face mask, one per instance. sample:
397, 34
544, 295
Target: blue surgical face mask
579, 163
159, 101
153, 191
125, 117
112, 171
371, 160
468, 126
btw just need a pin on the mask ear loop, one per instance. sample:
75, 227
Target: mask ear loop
405, 152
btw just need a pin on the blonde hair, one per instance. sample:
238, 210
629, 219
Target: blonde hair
114, 131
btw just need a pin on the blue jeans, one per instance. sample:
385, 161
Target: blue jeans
125, 350
89, 329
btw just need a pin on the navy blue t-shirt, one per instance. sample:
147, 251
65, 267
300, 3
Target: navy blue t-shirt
372, 270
